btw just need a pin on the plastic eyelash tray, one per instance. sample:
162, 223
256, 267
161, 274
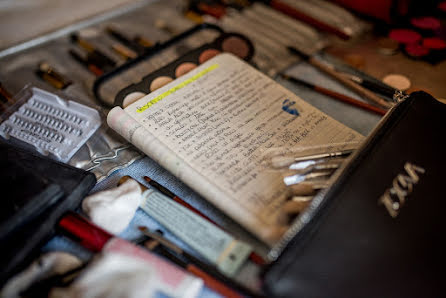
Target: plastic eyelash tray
52, 125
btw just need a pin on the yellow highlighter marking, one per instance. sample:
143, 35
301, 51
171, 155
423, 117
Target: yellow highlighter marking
176, 88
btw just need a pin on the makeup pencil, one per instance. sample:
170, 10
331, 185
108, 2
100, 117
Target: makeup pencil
91, 67
124, 51
253, 256
208, 280
51, 76
143, 41
177, 199
5, 96
299, 15
211, 276
102, 59
125, 40
340, 78
337, 96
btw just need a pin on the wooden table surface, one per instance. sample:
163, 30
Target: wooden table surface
423, 76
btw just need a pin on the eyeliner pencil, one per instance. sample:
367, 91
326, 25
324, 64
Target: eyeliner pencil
211, 276
5, 96
177, 199
339, 77
299, 15
91, 67
208, 280
125, 40
253, 256
101, 58
338, 96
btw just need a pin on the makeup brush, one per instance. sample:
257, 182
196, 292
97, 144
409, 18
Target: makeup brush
337, 96
340, 78
285, 161
373, 86
209, 281
296, 204
211, 276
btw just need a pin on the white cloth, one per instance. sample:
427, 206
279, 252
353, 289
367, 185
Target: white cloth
113, 209
112, 276
47, 265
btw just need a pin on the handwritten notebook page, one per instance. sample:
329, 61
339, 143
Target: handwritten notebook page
211, 127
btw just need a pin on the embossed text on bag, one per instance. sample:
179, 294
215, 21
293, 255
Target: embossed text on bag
402, 186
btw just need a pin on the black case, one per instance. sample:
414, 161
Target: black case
38, 191
349, 244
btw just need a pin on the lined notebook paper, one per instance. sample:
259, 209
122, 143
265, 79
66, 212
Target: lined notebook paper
212, 127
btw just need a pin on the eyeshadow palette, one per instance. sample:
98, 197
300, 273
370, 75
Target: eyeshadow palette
107, 86
233, 43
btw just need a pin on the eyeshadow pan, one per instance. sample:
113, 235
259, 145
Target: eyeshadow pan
416, 50
208, 54
405, 36
131, 98
430, 23
184, 68
236, 45
434, 43
397, 81
160, 82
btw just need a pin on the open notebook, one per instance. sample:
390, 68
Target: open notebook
212, 127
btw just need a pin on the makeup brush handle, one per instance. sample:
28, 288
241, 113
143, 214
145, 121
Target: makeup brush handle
351, 101
212, 283
355, 87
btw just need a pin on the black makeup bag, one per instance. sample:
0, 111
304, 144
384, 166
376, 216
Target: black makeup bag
377, 232
35, 191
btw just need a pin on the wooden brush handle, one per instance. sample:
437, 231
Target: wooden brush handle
350, 100
352, 85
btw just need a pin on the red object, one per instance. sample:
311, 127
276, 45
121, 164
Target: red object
426, 23
86, 233
416, 50
405, 36
442, 6
216, 11
293, 12
434, 43
95, 70
379, 9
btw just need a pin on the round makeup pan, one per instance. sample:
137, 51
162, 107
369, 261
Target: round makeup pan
397, 81
428, 23
237, 44
159, 82
405, 36
132, 97
434, 43
416, 50
207, 54
184, 68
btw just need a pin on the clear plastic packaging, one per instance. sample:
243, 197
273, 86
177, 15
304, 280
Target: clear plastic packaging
53, 125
